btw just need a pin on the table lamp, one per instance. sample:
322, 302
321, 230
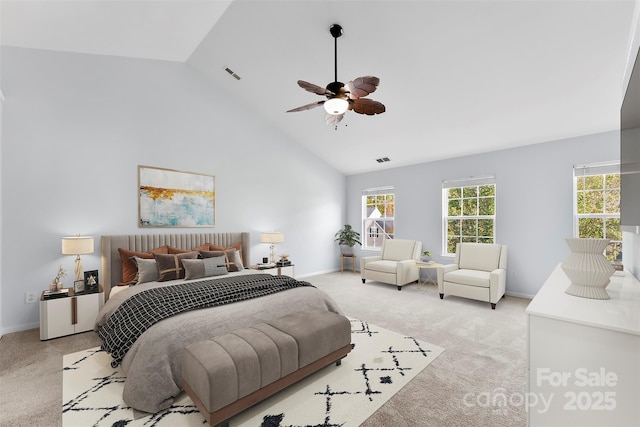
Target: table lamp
272, 237
77, 245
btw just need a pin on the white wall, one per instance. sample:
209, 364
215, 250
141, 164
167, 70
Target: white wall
534, 207
76, 126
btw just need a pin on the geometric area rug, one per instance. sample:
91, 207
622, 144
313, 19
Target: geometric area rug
380, 364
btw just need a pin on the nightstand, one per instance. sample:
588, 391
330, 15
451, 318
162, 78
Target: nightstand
288, 270
69, 315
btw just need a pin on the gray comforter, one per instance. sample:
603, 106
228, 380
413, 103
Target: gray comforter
153, 364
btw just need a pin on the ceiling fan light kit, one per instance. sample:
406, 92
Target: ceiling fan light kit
342, 97
336, 106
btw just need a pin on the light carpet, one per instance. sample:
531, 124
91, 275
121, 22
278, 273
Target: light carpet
380, 364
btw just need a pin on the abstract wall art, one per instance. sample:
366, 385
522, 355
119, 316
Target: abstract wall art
171, 198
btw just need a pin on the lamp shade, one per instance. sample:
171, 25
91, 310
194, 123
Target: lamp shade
336, 106
77, 245
272, 237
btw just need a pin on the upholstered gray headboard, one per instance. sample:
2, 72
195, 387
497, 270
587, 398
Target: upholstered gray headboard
112, 264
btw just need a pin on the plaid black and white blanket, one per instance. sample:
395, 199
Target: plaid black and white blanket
142, 310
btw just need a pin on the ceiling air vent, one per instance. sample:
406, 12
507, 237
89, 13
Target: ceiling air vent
230, 71
383, 160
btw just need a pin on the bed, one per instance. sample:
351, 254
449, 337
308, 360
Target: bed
152, 363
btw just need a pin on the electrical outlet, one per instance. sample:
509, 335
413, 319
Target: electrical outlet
30, 297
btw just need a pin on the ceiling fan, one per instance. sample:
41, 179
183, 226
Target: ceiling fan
340, 96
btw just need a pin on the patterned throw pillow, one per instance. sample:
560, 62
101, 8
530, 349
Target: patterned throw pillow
207, 267
170, 266
232, 258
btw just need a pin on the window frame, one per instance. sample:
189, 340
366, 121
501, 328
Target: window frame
477, 182
382, 233
603, 169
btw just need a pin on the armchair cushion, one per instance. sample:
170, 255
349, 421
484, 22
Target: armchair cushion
470, 277
480, 257
384, 266
397, 250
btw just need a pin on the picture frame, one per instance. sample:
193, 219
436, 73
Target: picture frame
78, 286
172, 198
91, 282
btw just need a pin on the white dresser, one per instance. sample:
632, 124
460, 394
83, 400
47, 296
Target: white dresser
584, 355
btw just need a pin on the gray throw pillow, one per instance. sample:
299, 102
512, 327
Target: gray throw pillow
147, 270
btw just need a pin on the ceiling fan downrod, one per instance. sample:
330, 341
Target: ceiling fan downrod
336, 31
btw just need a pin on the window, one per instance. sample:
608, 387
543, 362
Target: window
597, 204
378, 213
469, 211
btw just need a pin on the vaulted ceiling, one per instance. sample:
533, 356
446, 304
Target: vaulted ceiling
456, 77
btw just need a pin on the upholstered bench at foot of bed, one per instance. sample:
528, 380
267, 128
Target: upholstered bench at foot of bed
229, 373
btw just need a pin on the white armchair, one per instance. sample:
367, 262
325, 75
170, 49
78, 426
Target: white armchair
395, 264
479, 272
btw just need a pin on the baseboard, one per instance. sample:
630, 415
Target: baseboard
519, 295
318, 273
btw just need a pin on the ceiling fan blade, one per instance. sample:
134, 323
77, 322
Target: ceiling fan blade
362, 86
310, 87
333, 119
306, 107
366, 106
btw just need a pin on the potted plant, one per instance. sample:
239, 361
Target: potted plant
347, 238
426, 255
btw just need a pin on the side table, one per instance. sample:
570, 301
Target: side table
287, 270
353, 262
429, 280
